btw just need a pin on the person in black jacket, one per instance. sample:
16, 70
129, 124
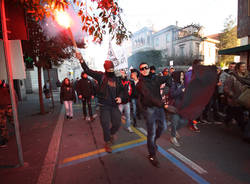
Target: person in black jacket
134, 79
67, 96
152, 107
85, 91
109, 95
125, 105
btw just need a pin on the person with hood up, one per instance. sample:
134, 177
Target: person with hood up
109, 93
85, 91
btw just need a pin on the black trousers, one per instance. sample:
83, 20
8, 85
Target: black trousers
109, 114
87, 101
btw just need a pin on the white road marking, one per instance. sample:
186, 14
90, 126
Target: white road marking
49, 164
142, 130
187, 161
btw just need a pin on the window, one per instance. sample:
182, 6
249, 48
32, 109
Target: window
168, 38
181, 50
157, 42
197, 48
148, 40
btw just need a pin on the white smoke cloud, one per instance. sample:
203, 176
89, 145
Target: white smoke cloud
52, 29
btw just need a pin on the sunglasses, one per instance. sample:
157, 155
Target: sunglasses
144, 68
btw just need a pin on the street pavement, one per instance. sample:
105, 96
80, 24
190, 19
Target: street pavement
63, 151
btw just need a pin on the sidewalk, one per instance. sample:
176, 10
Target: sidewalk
36, 131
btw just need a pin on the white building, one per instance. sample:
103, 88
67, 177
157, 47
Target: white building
174, 42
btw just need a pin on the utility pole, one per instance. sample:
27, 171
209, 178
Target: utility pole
10, 80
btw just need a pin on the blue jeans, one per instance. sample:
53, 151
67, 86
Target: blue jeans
176, 123
154, 116
133, 102
126, 109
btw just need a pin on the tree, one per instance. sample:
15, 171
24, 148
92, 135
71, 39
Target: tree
98, 17
46, 52
228, 39
151, 57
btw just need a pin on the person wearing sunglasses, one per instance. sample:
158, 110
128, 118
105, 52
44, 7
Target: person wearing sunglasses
152, 107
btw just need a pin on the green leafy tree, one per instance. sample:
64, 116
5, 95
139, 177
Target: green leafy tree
152, 57
228, 39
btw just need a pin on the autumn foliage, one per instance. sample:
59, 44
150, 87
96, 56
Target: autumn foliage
98, 17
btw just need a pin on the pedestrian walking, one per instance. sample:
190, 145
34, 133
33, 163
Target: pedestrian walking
152, 107
46, 89
134, 79
176, 94
125, 105
109, 95
85, 91
67, 97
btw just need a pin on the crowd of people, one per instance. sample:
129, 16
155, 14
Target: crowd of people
158, 99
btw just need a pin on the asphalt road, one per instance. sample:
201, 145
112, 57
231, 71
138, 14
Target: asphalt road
215, 155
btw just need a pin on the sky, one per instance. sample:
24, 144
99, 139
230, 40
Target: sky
210, 14
161, 13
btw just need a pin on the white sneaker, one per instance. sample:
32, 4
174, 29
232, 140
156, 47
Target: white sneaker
130, 130
174, 141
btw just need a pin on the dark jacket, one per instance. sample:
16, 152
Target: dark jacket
127, 90
134, 93
67, 93
176, 94
108, 88
149, 90
85, 88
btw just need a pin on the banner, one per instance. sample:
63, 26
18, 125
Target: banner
198, 92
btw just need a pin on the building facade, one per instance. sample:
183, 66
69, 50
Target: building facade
176, 42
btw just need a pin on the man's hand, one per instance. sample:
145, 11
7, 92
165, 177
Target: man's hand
118, 100
219, 83
170, 108
79, 56
80, 96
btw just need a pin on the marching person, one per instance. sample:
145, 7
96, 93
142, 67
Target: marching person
176, 94
109, 95
125, 105
85, 91
153, 108
67, 97
134, 79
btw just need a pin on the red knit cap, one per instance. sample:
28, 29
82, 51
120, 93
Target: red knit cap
108, 64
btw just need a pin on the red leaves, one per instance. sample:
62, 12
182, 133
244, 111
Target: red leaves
108, 20
80, 12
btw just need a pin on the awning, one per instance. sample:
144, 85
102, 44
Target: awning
235, 50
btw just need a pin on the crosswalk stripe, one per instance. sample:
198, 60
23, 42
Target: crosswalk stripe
187, 161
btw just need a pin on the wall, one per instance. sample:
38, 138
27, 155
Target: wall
209, 53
